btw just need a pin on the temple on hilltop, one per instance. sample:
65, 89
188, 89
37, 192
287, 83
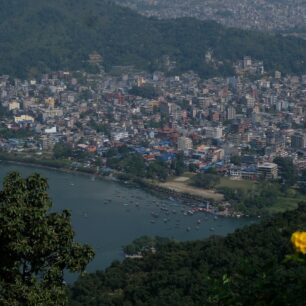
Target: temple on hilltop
95, 58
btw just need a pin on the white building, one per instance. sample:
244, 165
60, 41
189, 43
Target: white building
214, 132
14, 105
184, 144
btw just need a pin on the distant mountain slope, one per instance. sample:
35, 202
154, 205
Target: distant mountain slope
248, 267
271, 15
38, 36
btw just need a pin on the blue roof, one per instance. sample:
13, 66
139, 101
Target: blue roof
165, 142
140, 150
166, 156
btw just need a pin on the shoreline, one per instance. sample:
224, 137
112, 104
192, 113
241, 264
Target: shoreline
118, 177
148, 186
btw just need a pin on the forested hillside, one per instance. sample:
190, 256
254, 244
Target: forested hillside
248, 267
39, 36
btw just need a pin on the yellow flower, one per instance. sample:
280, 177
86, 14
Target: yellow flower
298, 240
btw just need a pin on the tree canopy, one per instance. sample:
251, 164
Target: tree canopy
205, 180
37, 245
46, 35
248, 267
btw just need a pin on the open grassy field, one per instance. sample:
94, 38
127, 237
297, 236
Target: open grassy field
236, 184
286, 203
182, 184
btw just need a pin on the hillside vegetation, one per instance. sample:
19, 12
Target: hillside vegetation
248, 267
39, 36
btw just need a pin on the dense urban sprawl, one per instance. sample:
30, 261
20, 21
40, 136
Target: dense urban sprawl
155, 126
247, 14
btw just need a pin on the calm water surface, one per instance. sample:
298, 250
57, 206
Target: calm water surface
108, 215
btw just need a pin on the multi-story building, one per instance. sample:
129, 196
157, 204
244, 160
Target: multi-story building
298, 141
184, 144
268, 171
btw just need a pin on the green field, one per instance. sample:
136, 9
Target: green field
286, 203
236, 184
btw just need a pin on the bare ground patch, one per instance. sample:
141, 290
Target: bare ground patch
183, 187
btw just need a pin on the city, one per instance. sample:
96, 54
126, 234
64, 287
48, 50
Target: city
149, 125
153, 153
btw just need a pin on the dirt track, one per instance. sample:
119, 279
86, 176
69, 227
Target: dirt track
185, 188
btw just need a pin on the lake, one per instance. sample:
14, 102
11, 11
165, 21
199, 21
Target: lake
108, 215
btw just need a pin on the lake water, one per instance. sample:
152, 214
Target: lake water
108, 215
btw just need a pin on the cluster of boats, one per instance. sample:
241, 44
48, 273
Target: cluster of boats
166, 210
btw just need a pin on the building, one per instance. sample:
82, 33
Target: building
267, 171
184, 144
247, 61
230, 113
47, 143
95, 58
24, 118
277, 74
50, 102
14, 105
214, 132
298, 141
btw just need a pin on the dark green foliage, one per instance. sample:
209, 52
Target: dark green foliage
203, 180
146, 91
134, 165
145, 244
178, 164
36, 245
287, 170
39, 36
236, 160
248, 267
255, 201
62, 150
157, 170
21, 133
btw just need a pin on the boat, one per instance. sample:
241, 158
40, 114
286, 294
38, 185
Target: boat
155, 215
212, 229
188, 229
152, 221
199, 221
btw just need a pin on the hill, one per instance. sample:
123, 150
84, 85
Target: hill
39, 36
266, 15
248, 267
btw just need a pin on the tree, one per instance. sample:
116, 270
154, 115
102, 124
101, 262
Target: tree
178, 164
36, 245
62, 150
157, 170
205, 180
146, 91
236, 160
287, 170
